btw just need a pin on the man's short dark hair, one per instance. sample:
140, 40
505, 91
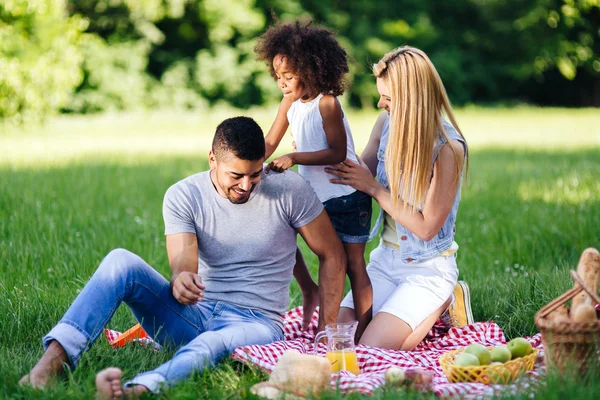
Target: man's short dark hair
241, 137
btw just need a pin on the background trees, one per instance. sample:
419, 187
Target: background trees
94, 55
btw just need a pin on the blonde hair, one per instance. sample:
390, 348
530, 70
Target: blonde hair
418, 97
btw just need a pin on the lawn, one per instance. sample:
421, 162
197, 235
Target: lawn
77, 187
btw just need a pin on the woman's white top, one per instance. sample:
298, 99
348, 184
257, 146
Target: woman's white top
306, 124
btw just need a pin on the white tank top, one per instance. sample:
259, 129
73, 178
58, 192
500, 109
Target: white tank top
307, 129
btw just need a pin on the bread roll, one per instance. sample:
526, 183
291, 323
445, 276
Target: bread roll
559, 316
588, 270
561, 320
584, 313
301, 374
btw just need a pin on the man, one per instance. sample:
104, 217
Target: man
231, 242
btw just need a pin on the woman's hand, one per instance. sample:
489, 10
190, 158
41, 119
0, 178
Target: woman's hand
280, 164
356, 175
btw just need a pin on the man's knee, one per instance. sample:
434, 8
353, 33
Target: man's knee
119, 261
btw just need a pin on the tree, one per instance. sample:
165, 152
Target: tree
40, 61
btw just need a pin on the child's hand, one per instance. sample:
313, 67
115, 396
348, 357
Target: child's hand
280, 164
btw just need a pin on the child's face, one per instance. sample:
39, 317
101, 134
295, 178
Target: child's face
385, 100
288, 80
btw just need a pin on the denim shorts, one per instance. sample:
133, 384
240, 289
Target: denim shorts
351, 216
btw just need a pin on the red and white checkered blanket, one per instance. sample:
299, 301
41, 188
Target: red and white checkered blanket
374, 361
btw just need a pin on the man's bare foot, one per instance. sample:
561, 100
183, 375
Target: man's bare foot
108, 386
310, 301
50, 365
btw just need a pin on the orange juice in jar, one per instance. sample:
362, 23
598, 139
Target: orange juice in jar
341, 350
342, 360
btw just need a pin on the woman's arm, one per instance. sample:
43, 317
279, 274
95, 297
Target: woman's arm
278, 128
335, 133
438, 202
369, 155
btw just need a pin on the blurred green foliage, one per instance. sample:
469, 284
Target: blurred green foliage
40, 58
94, 55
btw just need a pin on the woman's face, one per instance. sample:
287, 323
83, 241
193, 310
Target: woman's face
385, 101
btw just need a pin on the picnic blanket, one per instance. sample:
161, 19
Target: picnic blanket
374, 362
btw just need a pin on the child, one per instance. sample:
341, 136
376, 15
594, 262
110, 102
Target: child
309, 66
419, 159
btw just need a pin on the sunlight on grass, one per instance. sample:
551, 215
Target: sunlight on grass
78, 187
572, 188
74, 138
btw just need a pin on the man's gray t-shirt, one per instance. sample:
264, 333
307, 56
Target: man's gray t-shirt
246, 252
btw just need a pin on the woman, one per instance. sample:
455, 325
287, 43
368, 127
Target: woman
418, 159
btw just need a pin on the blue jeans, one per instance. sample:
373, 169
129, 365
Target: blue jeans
204, 332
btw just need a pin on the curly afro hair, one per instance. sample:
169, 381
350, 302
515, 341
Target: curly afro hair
311, 50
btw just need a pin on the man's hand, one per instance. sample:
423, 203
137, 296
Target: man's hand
280, 164
187, 288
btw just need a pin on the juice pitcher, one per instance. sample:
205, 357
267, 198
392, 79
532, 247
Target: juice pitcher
341, 350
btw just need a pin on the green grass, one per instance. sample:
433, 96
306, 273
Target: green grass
74, 189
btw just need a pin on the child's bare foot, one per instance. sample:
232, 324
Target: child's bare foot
108, 386
50, 365
310, 301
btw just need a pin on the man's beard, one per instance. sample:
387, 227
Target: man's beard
231, 196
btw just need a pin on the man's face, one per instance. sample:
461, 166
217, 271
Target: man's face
234, 178
288, 80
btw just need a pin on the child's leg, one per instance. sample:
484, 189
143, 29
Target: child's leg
362, 291
310, 290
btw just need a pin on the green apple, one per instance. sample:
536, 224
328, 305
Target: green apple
466, 360
499, 374
479, 351
519, 347
394, 376
500, 354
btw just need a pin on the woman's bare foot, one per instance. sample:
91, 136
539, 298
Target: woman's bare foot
50, 365
108, 386
310, 301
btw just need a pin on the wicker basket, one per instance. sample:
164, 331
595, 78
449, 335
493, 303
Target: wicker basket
488, 374
569, 346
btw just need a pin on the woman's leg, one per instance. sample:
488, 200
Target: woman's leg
386, 331
423, 328
423, 293
378, 333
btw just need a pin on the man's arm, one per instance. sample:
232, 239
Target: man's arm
186, 284
322, 239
